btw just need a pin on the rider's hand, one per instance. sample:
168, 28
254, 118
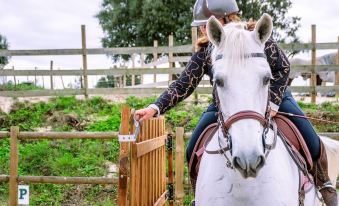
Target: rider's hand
273, 113
144, 114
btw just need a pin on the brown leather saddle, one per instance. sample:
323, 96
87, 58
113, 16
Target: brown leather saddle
286, 128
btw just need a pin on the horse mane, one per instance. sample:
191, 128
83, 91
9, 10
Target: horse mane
233, 47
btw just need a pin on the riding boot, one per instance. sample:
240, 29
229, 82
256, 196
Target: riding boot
322, 180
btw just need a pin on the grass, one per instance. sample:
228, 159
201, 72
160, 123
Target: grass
88, 157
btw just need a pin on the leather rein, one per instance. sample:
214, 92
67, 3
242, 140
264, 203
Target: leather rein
265, 121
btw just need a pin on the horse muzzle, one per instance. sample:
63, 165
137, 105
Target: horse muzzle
248, 166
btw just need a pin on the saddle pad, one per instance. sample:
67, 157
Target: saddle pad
285, 126
193, 166
293, 135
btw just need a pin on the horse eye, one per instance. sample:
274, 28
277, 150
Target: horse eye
219, 82
266, 80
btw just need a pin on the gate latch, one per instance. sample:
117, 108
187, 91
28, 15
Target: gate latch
131, 137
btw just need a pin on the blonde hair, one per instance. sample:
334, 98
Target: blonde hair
203, 39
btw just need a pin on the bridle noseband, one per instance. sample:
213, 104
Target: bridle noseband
265, 121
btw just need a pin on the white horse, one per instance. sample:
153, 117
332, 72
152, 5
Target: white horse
242, 76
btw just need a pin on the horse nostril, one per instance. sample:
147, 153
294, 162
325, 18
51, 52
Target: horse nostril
260, 162
238, 163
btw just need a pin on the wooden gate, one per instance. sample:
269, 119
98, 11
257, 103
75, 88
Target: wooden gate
147, 161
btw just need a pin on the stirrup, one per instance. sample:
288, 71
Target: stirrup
327, 184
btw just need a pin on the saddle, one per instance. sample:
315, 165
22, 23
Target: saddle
286, 128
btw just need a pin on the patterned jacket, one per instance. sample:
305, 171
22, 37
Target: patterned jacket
200, 64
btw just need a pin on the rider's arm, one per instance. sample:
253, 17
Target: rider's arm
185, 85
280, 68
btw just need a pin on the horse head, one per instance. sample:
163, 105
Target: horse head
241, 76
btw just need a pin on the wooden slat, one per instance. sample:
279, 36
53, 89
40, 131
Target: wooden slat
181, 59
162, 200
4, 178
143, 195
179, 166
134, 170
13, 167
147, 50
123, 157
67, 180
150, 145
308, 46
153, 166
77, 72
68, 135
157, 175
137, 71
109, 51
4, 135
136, 91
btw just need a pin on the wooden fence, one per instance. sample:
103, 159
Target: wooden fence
142, 164
171, 51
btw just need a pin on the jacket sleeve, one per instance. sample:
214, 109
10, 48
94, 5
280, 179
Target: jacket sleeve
280, 68
185, 85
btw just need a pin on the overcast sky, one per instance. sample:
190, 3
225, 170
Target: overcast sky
55, 24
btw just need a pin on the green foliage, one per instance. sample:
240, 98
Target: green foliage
138, 103
25, 86
138, 22
111, 82
3, 45
285, 27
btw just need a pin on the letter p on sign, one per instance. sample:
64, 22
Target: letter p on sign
23, 195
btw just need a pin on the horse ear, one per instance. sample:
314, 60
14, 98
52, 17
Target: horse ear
215, 31
263, 29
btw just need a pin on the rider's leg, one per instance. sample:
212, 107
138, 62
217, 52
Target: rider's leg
316, 147
289, 105
207, 118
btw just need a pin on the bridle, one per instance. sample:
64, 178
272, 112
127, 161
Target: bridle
265, 121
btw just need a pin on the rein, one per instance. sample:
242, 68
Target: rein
305, 117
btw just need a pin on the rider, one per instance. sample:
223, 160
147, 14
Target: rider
280, 98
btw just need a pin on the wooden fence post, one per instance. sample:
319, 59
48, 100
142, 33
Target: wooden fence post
123, 157
35, 80
133, 66
51, 77
14, 77
13, 168
314, 59
179, 166
142, 62
84, 59
170, 56
155, 59
337, 73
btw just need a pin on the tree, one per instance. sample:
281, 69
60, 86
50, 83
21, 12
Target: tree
285, 27
3, 45
130, 23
